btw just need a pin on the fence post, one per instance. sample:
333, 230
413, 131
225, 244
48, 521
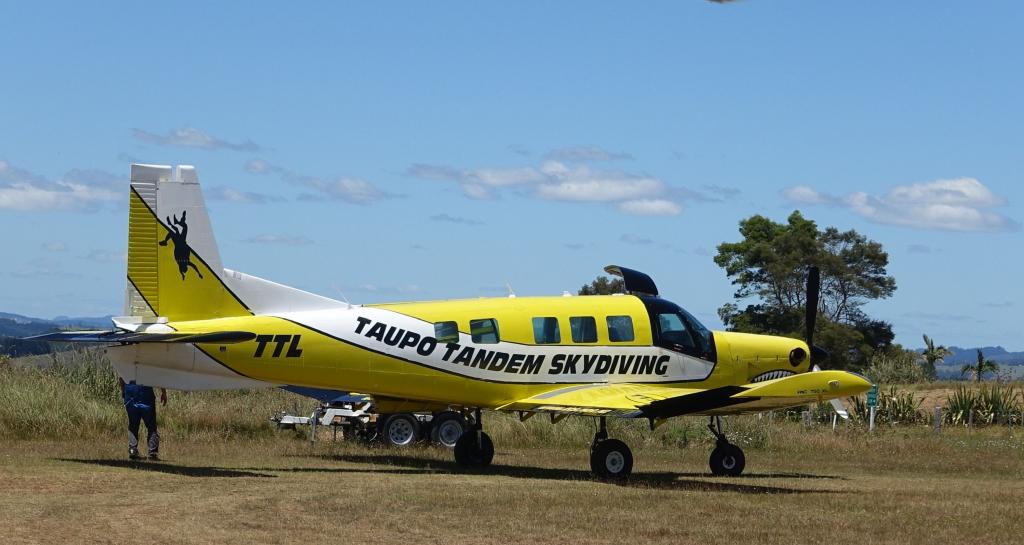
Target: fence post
938, 420
871, 419
806, 415
970, 418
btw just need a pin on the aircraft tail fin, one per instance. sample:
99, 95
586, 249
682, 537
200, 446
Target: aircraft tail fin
174, 267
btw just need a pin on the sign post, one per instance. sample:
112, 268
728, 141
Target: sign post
872, 402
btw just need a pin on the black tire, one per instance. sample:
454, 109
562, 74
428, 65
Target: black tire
727, 460
470, 453
446, 428
611, 459
400, 430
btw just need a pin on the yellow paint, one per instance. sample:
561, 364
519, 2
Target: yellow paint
515, 315
155, 273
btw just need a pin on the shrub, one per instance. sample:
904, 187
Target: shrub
901, 368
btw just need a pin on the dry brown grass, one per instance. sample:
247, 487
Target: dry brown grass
807, 487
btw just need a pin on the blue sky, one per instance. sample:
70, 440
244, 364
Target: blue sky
417, 151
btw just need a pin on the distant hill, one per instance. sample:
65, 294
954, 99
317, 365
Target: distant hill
13, 327
997, 354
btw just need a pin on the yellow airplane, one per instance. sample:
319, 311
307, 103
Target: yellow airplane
191, 324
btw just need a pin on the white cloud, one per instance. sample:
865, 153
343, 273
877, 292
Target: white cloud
106, 256
955, 192
583, 184
447, 218
191, 137
229, 194
802, 194
586, 153
477, 191
78, 190
960, 204
284, 240
351, 190
639, 240
560, 180
651, 207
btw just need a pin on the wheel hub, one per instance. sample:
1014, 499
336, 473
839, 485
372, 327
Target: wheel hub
449, 432
614, 462
400, 432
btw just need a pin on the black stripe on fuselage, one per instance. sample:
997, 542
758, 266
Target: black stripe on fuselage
368, 349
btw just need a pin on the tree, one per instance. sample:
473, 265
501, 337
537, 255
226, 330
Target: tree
933, 354
602, 285
770, 264
980, 367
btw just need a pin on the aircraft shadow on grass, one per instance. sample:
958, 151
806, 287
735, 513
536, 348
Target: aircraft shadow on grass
201, 471
663, 480
164, 467
410, 465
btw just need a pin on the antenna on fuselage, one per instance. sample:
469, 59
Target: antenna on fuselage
511, 292
342, 294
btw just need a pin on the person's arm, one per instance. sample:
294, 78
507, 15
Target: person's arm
163, 397
120, 384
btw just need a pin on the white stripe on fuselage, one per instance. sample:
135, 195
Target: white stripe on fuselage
412, 339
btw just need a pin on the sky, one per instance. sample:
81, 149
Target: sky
407, 151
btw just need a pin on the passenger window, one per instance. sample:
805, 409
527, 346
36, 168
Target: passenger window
584, 329
446, 332
545, 331
620, 329
484, 331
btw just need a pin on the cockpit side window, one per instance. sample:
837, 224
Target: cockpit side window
674, 333
677, 330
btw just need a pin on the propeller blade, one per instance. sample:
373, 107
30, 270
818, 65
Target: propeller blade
811, 314
840, 409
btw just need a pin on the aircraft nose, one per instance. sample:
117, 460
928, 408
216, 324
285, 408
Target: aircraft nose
818, 355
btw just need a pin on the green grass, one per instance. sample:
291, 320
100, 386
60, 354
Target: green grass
229, 477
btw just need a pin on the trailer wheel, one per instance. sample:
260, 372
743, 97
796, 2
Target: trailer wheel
446, 428
401, 430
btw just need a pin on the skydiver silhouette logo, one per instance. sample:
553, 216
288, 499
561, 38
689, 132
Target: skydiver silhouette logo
182, 253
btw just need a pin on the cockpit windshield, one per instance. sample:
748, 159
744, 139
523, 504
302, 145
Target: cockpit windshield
678, 330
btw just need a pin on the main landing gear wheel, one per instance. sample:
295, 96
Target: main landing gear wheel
474, 448
727, 459
446, 428
401, 430
610, 459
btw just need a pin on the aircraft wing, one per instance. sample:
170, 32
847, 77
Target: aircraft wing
219, 337
663, 401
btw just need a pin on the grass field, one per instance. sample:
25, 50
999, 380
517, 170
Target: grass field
228, 477
815, 486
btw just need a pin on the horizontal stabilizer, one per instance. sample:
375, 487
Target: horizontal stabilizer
218, 337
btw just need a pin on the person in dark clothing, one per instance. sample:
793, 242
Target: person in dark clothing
140, 404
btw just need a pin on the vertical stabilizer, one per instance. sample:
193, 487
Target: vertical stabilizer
174, 267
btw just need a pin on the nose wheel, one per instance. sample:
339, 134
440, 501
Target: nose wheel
726, 459
610, 459
474, 448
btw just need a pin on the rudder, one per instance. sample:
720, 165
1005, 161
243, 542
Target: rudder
174, 267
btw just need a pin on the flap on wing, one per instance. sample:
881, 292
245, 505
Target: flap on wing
654, 401
219, 337
625, 400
